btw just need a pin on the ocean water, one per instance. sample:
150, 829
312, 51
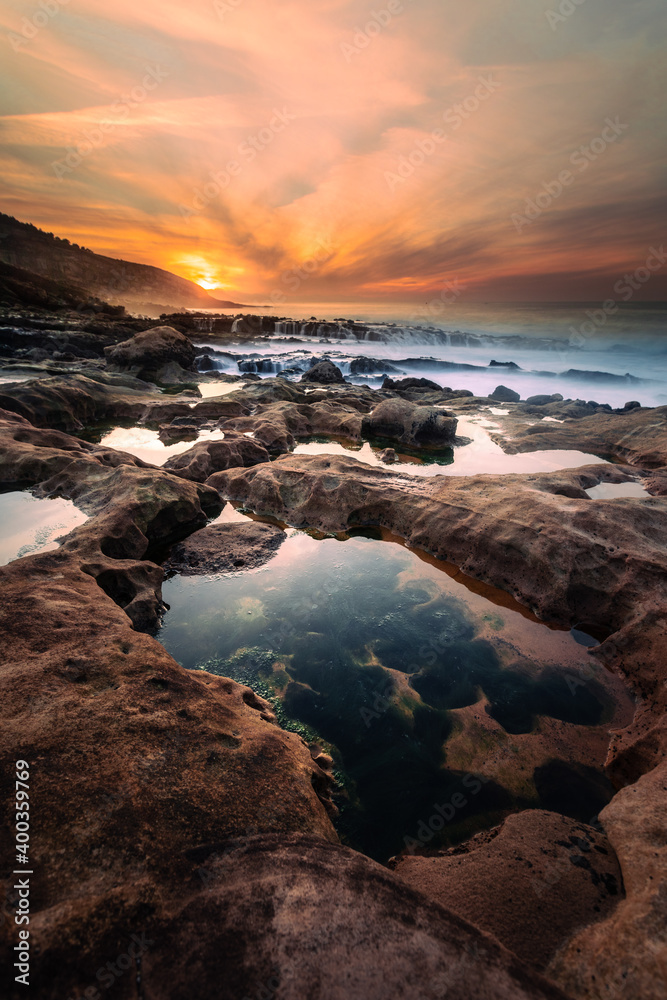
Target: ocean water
578, 350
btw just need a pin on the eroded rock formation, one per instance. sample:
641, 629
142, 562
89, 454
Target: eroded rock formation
171, 804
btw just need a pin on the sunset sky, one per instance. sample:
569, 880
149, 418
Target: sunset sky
390, 147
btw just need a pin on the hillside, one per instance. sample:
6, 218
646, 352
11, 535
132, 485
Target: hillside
21, 289
138, 287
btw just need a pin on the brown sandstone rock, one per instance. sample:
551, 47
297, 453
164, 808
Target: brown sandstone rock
638, 437
134, 508
411, 424
134, 762
325, 372
531, 882
207, 457
279, 425
67, 403
170, 433
539, 537
302, 918
624, 957
150, 780
569, 559
86, 692
147, 353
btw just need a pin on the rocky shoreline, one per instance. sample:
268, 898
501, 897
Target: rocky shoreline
172, 805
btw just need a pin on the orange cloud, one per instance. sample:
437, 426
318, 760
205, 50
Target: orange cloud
231, 142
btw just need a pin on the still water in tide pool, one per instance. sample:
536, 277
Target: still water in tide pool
412, 681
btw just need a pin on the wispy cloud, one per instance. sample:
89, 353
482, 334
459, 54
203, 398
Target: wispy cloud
351, 122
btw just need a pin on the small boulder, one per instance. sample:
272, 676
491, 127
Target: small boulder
170, 433
412, 383
370, 366
411, 424
148, 352
324, 372
207, 457
205, 363
501, 394
388, 456
544, 400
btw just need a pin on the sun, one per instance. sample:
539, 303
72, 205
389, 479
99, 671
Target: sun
200, 270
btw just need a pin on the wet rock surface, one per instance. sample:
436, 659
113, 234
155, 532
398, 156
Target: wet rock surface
529, 534
134, 761
207, 457
337, 926
624, 954
325, 372
224, 548
279, 425
410, 424
531, 883
153, 782
638, 437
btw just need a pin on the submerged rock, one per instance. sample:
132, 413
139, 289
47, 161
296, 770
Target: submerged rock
223, 548
530, 882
